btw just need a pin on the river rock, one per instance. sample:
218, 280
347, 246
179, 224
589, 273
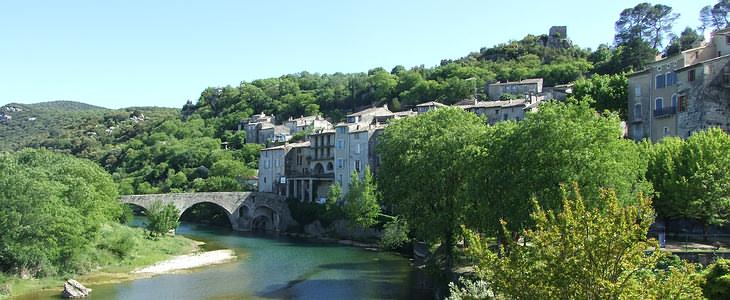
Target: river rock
74, 289
314, 229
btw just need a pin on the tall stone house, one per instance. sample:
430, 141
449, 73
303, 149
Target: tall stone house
519, 88
682, 94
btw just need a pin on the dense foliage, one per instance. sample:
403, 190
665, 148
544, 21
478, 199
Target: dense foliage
717, 280
604, 92
361, 205
691, 177
51, 209
584, 253
561, 143
426, 163
162, 218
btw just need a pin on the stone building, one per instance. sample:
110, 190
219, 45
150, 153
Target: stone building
428, 106
272, 178
302, 123
681, 94
310, 167
496, 111
496, 90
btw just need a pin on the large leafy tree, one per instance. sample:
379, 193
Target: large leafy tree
606, 92
361, 204
646, 22
561, 143
51, 208
714, 17
691, 177
426, 161
584, 253
686, 40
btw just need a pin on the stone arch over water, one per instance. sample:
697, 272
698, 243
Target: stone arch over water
244, 210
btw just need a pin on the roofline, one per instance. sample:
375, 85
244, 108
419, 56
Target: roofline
701, 63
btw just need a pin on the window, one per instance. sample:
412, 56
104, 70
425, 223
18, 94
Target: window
340, 144
340, 163
727, 39
660, 81
357, 135
276, 163
682, 103
357, 149
659, 104
691, 75
637, 111
637, 91
357, 165
726, 78
505, 117
671, 79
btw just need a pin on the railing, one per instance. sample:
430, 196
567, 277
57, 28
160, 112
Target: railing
665, 111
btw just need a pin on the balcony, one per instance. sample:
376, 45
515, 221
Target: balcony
665, 111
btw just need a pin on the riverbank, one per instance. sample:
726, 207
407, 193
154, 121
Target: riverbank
111, 267
190, 261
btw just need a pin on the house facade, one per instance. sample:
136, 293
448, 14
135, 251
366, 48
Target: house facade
682, 94
527, 86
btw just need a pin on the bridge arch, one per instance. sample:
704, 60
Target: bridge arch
216, 214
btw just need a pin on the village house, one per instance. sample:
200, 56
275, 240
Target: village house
310, 122
496, 111
532, 85
682, 94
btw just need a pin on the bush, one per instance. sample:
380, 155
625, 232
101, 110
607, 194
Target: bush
395, 234
162, 218
717, 280
118, 241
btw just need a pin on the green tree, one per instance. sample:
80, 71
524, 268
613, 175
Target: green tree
561, 143
584, 253
162, 218
51, 208
691, 177
688, 39
646, 22
715, 17
606, 92
426, 161
717, 280
361, 204
395, 234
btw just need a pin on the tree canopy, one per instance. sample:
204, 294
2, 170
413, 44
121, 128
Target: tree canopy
51, 208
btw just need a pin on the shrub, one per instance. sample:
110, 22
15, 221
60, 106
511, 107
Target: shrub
717, 280
162, 218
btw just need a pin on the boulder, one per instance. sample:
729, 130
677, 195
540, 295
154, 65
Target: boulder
74, 289
314, 229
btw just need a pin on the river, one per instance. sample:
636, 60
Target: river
270, 267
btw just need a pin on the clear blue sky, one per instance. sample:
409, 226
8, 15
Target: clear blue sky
121, 53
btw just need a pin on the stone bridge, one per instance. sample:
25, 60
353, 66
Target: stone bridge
246, 211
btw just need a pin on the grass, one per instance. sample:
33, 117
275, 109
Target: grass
118, 251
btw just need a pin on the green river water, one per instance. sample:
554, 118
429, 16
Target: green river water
272, 267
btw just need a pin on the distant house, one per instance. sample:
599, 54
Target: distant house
522, 87
496, 111
302, 123
428, 106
